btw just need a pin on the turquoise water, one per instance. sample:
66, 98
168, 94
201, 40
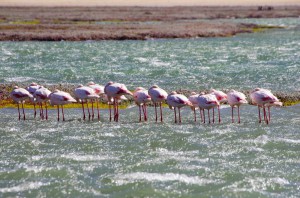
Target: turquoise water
80, 158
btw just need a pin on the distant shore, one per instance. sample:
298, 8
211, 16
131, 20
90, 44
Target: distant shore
130, 23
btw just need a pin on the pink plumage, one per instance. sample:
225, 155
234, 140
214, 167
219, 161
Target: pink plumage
236, 98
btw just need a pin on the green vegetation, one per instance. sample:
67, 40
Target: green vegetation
29, 22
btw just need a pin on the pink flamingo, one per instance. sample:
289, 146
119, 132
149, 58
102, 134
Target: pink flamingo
115, 91
236, 98
264, 98
42, 95
207, 101
99, 90
32, 88
221, 97
158, 95
60, 98
175, 100
84, 93
193, 99
141, 98
19, 95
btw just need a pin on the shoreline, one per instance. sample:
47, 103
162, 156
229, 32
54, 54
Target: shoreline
131, 23
288, 98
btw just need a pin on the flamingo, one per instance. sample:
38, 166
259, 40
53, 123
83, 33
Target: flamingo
42, 95
83, 94
207, 101
221, 97
236, 98
176, 100
115, 91
58, 97
99, 89
193, 99
158, 95
32, 88
141, 98
264, 98
19, 95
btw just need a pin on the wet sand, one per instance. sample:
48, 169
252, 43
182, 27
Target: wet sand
136, 23
288, 99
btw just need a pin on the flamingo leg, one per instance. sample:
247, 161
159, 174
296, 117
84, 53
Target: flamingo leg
269, 111
109, 106
98, 109
161, 116
117, 110
57, 112
265, 116
46, 110
175, 117
219, 113
62, 111
23, 112
179, 115
140, 113
83, 109
155, 112
34, 110
213, 115
259, 116
19, 111
92, 101
239, 114
203, 115
232, 115
146, 113
87, 106
195, 117
208, 116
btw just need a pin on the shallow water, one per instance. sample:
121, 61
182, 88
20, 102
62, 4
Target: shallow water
79, 158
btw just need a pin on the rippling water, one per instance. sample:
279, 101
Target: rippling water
80, 158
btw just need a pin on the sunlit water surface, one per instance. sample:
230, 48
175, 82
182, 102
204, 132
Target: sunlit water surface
79, 158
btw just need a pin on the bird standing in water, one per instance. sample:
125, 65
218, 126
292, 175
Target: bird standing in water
178, 101
236, 98
19, 95
115, 91
61, 98
141, 98
158, 96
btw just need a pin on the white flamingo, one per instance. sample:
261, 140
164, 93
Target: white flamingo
264, 98
175, 100
115, 91
19, 95
99, 90
83, 94
61, 98
158, 96
207, 101
42, 95
193, 99
236, 98
221, 97
32, 88
141, 98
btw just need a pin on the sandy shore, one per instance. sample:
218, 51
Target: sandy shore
288, 99
137, 23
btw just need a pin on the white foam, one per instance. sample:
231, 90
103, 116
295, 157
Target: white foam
24, 187
156, 177
88, 157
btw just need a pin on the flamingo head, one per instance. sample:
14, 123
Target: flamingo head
154, 86
33, 84
173, 93
139, 89
91, 83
